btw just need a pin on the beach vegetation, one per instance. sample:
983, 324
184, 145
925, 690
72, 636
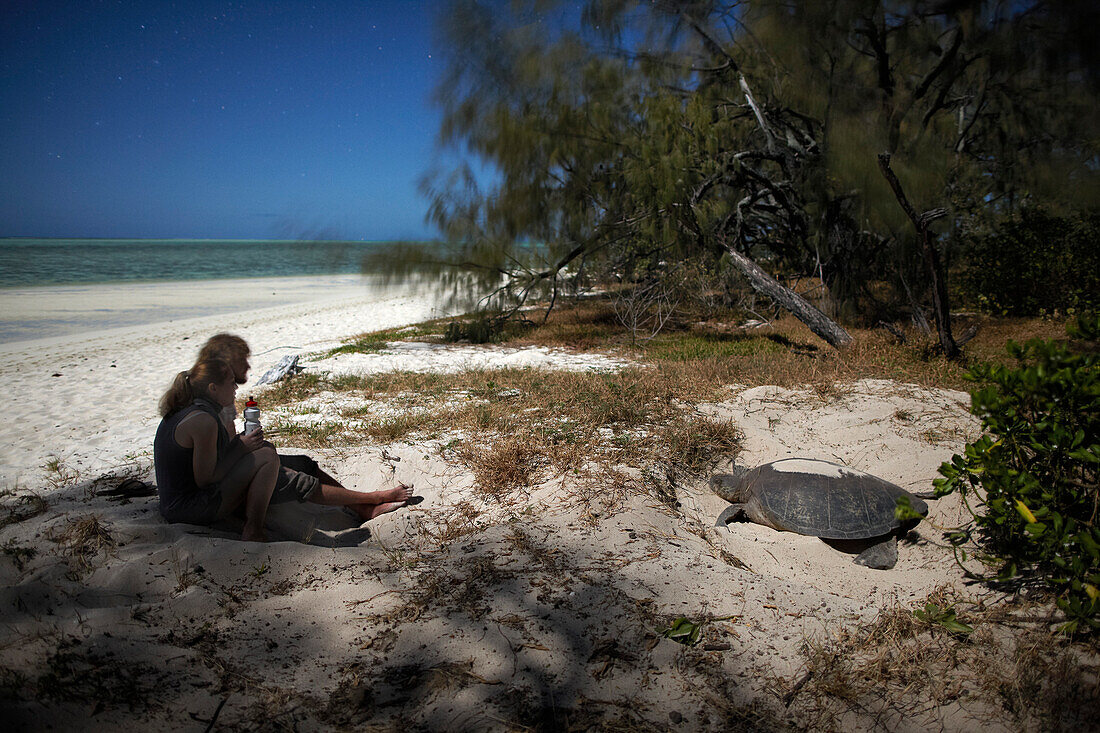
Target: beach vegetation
1036, 262
363, 345
404, 426
82, 540
516, 428
306, 435
375, 341
18, 505
486, 327
1032, 480
185, 575
58, 474
19, 554
508, 464
946, 649
683, 631
847, 162
932, 614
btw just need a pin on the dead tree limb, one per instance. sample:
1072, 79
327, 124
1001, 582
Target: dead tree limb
931, 258
789, 300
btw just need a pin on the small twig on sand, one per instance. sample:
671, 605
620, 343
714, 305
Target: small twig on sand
353, 604
213, 719
789, 697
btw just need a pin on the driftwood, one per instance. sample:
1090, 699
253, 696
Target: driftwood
791, 301
287, 367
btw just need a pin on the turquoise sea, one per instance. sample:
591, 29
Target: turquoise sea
28, 262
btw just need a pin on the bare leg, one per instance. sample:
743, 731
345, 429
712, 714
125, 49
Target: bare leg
251, 481
331, 495
367, 504
326, 478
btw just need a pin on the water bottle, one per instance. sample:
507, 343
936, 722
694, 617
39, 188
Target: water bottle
251, 416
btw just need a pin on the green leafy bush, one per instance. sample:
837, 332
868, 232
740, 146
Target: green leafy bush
1034, 263
1031, 481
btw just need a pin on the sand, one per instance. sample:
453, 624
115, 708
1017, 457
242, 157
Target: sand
87, 398
463, 612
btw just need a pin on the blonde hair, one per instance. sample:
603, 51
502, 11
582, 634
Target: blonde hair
224, 346
188, 385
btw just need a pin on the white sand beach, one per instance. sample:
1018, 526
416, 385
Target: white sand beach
86, 395
540, 609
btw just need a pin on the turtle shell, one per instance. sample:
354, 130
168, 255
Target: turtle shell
823, 499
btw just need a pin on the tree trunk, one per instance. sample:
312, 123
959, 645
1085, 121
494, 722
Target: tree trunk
931, 258
764, 283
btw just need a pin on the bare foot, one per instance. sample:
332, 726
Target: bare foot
393, 499
250, 535
400, 494
389, 506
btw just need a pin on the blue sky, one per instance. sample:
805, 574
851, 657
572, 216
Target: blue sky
216, 119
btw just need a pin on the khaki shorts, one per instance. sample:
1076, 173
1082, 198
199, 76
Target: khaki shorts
297, 479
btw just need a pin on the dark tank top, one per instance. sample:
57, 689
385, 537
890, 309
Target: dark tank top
181, 499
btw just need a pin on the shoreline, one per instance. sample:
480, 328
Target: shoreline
32, 314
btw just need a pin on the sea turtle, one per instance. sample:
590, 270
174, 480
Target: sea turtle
850, 509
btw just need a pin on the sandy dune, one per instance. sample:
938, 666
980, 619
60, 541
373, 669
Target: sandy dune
465, 612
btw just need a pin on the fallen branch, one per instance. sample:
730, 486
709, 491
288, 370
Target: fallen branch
791, 301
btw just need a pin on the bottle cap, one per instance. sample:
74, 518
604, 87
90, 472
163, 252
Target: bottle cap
251, 402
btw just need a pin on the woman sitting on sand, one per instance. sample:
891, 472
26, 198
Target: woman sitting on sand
235, 351
204, 475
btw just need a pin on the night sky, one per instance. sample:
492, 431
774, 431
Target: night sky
202, 119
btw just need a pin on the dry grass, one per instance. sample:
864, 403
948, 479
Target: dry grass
185, 576
524, 426
19, 555
321, 435
58, 475
447, 527
82, 539
899, 666
504, 466
786, 353
696, 442
19, 506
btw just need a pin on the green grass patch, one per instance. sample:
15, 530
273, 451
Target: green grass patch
371, 343
366, 345
321, 435
689, 346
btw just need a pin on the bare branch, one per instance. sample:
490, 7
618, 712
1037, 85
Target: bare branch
931, 258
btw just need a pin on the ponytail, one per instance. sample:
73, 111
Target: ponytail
188, 385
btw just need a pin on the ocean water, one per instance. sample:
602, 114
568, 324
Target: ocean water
29, 262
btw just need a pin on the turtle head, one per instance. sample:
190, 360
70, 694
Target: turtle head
728, 485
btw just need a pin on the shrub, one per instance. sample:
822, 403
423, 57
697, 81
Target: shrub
484, 328
1034, 263
1031, 481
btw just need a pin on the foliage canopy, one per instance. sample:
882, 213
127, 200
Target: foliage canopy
630, 135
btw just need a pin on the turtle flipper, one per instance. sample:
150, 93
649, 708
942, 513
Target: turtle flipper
881, 555
732, 513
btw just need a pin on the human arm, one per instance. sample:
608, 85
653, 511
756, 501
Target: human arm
200, 433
